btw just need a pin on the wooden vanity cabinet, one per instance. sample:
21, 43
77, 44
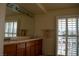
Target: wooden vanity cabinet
30, 48
20, 49
10, 50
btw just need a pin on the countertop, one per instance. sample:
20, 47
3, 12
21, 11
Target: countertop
21, 40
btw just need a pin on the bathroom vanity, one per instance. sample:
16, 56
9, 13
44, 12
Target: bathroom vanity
23, 46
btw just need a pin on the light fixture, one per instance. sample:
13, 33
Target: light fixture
17, 8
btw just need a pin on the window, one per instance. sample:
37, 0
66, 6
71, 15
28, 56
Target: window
67, 36
11, 29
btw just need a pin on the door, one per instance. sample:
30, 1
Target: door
61, 37
67, 36
72, 37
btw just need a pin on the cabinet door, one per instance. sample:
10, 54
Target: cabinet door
38, 47
10, 50
21, 49
30, 48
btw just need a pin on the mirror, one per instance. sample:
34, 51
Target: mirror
18, 24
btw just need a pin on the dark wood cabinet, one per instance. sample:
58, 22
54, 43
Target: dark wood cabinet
38, 47
30, 48
10, 50
20, 49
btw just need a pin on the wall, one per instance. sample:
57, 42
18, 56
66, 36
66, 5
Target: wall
24, 22
2, 17
48, 21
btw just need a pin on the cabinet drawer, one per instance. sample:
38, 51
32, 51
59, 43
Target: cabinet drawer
20, 45
38, 42
31, 43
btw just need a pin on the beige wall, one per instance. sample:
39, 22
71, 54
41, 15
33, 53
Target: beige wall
48, 21
24, 22
2, 17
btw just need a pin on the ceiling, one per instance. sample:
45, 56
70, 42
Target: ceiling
39, 8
